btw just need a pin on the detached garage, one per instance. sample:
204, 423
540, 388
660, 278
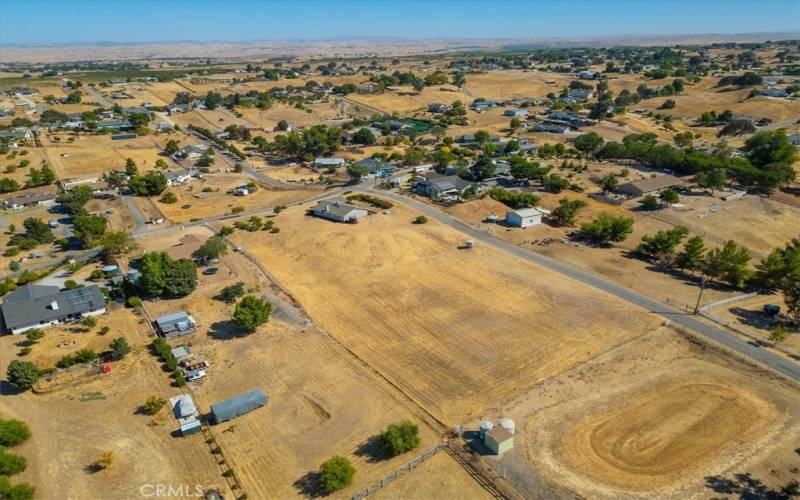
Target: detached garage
526, 217
237, 406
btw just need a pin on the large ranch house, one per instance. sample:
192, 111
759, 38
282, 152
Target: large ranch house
37, 306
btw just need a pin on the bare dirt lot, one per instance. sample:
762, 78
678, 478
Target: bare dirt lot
657, 417
457, 330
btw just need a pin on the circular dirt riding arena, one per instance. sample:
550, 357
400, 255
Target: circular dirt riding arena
653, 439
660, 417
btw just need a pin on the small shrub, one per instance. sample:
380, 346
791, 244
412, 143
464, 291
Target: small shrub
24, 351
168, 197
180, 380
134, 302
13, 432
421, 219
275, 230
89, 322
104, 330
237, 210
11, 463
153, 405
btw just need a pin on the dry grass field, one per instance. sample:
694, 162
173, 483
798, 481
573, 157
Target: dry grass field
438, 477
322, 401
610, 263
92, 155
269, 118
36, 157
220, 202
391, 101
705, 96
654, 418
99, 416
456, 330
512, 84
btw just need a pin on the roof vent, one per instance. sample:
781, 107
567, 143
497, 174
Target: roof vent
54, 305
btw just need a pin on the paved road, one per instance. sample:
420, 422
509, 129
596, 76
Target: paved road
100, 98
229, 159
774, 361
216, 218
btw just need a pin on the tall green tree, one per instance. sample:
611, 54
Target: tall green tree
606, 228
691, 257
661, 246
567, 211
89, 228
483, 168
251, 312
336, 473
22, 374
214, 248
400, 438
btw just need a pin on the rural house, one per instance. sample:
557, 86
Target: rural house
328, 162
37, 306
191, 152
526, 216
175, 324
652, 185
179, 177
439, 186
32, 198
515, 112
337, 209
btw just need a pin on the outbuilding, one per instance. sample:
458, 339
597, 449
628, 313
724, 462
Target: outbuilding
499, 440
237, 406
175, 324
526, 216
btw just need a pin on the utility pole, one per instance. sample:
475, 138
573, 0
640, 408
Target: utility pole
703, 282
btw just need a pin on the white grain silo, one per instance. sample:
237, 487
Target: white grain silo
507, 424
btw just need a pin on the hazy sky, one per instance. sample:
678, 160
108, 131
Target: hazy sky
67, 21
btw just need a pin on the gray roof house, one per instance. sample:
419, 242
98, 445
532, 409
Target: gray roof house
515, 112
438, 186
650, 185
237, 406
29, 199
328, 162
339, 210
37, 306
175, 324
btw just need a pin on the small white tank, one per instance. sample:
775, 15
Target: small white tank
486, 426
507, 424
